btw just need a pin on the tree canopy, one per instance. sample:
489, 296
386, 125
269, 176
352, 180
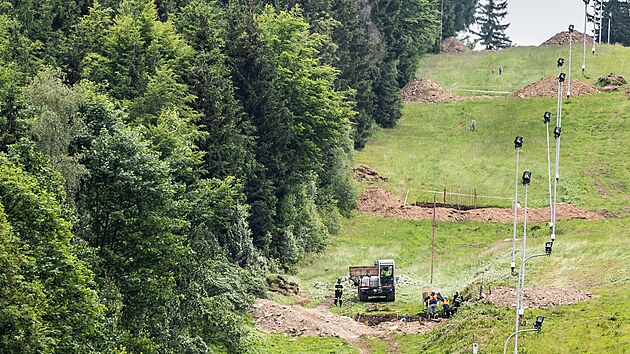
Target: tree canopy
159, 158
491, 31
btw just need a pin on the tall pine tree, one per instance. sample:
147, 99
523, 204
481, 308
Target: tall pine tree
491, 31
619, 10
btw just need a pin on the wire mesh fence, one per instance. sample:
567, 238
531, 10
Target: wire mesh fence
454, 197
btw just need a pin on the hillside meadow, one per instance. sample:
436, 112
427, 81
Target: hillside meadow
432, 147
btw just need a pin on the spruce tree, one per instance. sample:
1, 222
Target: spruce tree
491, 31
620, 21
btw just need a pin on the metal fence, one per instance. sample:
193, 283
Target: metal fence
454, 197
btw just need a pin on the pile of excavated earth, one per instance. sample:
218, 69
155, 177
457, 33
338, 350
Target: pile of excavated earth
453, 45
424, 90
384, 203
564, 37
537, 297
365, 173
611, 82
548, 87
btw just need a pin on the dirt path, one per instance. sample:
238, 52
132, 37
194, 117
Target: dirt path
299, 321
381, 202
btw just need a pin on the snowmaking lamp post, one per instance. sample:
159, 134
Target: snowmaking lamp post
547, 119
559, 102
609, 19
601, 17
584, 35
571, 27
521, 276
537, 328
518, 144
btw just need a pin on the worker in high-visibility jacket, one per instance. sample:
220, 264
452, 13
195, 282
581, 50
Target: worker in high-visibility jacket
446, 307
432, 302
338, 292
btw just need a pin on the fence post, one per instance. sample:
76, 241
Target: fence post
475, 191
444, 195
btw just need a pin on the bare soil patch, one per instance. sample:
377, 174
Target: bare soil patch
548, 87
538, 297
424, 90
367, 173
611, 82
453, 45
381, 202
562, 38
299, 321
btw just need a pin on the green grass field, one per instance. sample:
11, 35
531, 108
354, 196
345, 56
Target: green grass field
521, 67
588, 255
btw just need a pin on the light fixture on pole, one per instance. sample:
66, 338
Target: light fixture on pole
547, 119
571, 27
601, 17
518, 144
519, 310
609, 19
537, 328
556, 133
520, 289
584, 36
594, 24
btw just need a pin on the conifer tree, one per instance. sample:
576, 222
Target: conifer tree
491, 31
619, 11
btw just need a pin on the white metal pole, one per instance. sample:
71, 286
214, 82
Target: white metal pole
609, 18
551, 221
594, 25
513, 264
511, 335
521, 288
584, 35
601, 17
570, 48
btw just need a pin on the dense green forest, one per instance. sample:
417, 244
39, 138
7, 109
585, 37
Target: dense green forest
159, 158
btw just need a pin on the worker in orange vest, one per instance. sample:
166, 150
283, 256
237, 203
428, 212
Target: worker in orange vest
432, 302
446, 307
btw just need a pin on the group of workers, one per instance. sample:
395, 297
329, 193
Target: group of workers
430, 300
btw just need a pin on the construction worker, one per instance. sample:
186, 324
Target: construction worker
457, 301
338, 292
446, 307
432, 302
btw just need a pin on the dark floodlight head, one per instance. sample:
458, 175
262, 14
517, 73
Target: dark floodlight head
560, 62
586, 2
547, 117
538, 323
527, 177
561, 77
571, 27
518, 142
548, 246
556, 132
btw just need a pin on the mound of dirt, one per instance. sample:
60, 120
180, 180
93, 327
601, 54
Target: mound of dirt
538, 297
611, 82
367, 173
563, 38
424, 90
381, 202
282, 286
299, 321
548, 87
453, 45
